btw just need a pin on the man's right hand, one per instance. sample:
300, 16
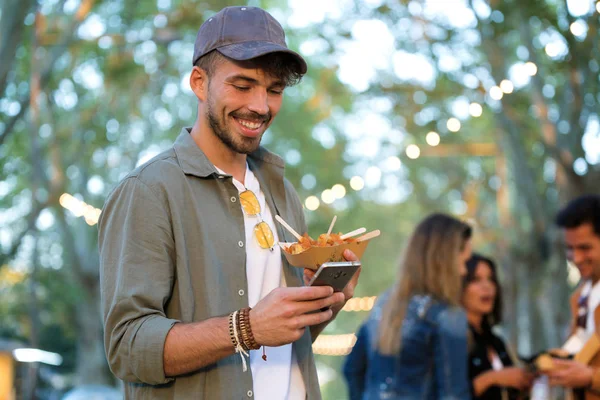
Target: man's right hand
514, 377
571, 374
281, 317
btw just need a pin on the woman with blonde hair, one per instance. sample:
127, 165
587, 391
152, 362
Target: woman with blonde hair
414, 344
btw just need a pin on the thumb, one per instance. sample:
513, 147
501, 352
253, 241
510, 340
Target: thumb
349, 255
308, 275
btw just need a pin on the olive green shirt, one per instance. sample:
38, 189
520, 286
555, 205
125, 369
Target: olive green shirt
171, 239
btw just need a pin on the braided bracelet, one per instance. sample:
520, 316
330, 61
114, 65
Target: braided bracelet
239, 348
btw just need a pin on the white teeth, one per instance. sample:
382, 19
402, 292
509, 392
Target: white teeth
250, 125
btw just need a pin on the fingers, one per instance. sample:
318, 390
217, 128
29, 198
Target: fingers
326, 302
558, 363
308, 275
349, 255
317, 318
557, 378
307, 293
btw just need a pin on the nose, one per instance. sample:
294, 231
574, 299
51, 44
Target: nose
576, 257
258, 102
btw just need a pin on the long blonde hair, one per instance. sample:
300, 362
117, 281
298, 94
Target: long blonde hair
429, 266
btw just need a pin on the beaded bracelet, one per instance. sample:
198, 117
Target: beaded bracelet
231, 332
243, 329
248, 336
251, 342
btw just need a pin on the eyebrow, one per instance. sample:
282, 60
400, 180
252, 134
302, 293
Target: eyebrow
240, 77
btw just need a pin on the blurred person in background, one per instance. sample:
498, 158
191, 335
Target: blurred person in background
491, 368
189, 267
579, 221
414, 343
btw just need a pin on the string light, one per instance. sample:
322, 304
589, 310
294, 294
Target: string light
432, 139
339, 191
334, 345
80, 208
551, 49
357, 183
357, 304
475, 110
577, 28
507, 86
496, 93
312, 203
413, 151
328, 196
341, 345
453, 125
531, 68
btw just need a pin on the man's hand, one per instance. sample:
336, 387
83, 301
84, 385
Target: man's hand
571, 374
280, 317
514, 377
348, 290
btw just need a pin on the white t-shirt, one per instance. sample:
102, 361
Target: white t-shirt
576, 342
593, 293
279, 377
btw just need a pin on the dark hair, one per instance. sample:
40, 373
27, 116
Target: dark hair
582, 210
495, 317
280, 65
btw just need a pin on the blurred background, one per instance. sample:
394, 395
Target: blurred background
484, 109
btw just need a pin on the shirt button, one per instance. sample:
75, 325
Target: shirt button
241, 244
249, 393
233, 199
241, 292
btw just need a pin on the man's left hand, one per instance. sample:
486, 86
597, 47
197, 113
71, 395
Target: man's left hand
570, 374
348, 290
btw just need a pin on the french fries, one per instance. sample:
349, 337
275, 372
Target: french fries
324, 240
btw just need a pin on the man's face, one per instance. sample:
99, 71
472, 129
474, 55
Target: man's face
241, 104
583, 249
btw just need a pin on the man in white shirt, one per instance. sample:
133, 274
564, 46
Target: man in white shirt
580, 223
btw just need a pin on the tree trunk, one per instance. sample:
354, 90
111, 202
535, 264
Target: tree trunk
91, 367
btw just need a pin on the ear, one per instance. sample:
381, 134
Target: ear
199, 83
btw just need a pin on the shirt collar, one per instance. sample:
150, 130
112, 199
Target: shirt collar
193, 161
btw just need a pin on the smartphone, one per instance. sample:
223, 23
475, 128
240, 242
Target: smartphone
335, 274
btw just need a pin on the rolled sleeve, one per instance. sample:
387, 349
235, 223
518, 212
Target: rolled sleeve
136, 276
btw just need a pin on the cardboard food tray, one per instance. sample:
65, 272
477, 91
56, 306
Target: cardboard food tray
315, 256
591, 347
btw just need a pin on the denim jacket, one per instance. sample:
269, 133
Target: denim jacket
432, 362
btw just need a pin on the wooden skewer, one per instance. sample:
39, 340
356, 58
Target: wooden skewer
289, 228
353, 233
331, 226
369, 236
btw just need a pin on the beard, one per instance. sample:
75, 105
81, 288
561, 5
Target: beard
237, 143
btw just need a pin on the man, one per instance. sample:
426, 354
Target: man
188, 240
580, 222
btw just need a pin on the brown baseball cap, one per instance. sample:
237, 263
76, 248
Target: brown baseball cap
243, 33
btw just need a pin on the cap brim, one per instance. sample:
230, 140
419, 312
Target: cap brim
249, 50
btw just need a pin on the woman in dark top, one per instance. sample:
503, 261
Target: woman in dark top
491, 370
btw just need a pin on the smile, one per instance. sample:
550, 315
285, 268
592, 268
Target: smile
249, 124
